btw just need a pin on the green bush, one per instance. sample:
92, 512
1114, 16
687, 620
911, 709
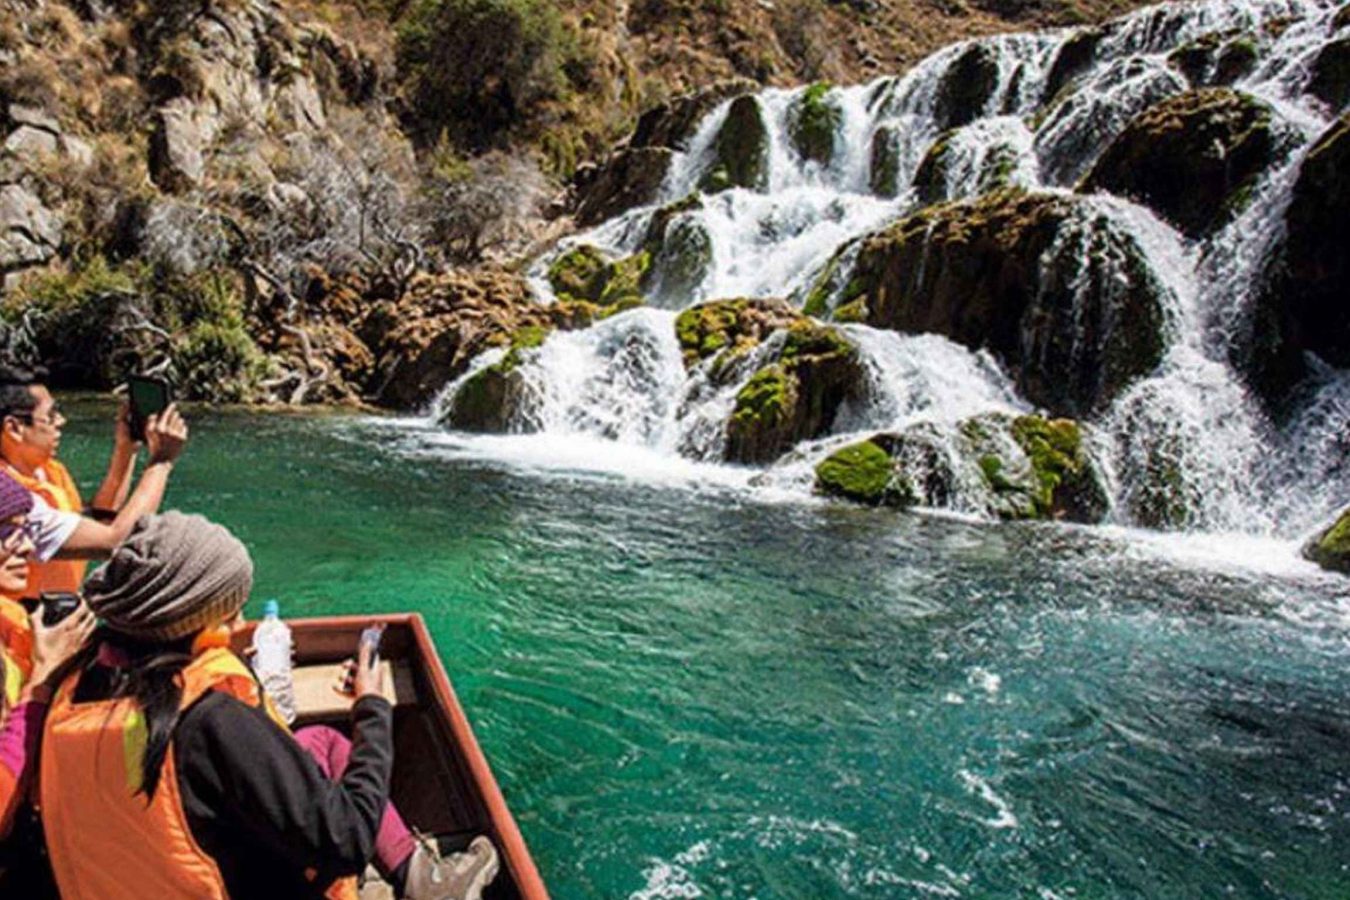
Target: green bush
476, 67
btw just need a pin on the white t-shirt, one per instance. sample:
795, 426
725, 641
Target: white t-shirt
54, 528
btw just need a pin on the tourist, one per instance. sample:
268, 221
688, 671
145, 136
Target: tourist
165, 732
31, 653
30, 433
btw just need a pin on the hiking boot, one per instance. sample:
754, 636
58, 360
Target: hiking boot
459, 876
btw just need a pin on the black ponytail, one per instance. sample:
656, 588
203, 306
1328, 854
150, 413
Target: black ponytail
151, 679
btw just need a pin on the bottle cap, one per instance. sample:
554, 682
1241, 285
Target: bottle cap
271, 608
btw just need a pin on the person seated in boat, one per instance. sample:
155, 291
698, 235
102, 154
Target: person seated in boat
30, 434
32, 657
166, 773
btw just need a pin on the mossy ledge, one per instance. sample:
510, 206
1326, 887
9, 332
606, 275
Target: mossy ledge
1330, 549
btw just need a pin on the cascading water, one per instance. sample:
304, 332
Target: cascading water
1183, 446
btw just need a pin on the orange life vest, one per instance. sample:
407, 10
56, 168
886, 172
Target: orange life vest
16, 649
105, 841
55, 486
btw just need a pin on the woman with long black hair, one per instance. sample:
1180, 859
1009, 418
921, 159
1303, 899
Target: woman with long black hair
166, 774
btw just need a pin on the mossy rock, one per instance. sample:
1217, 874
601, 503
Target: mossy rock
796, 397
1330, 549
741, 149
1075, 56
582, 274
828, 288
673, 123
680, 248
1341, 19
813, 123
1236, 60
489, 401
1035, 468
1075, 320
1198, 58
1330, 81
862, 472
884, 172
967, 87
1193, 158
708, 328
930, 180
579, 274
1301, 306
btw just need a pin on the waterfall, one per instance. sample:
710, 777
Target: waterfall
1183, 446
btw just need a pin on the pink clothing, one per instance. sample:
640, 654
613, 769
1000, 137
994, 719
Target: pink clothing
331, 749
18, 744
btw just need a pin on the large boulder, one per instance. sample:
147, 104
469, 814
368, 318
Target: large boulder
492, 400
584, 274
741, 149
795, 397
737, 325
628, 178
674, 122
680, 247
1301, 305
178, 142
813, 123
1330, 76
1330, 548
1050, 283
1023, 467
1193, 158
1217, 57
29, 232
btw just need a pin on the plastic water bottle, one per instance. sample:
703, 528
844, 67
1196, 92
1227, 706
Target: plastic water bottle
272, 659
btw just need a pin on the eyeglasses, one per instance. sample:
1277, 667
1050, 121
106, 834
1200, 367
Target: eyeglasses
12, 534
54, 417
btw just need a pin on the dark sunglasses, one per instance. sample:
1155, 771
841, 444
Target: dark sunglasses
10, 530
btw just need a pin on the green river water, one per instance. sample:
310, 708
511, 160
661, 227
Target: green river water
685, 690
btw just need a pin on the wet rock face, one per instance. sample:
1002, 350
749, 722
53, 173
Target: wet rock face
1330, 81
1062, 297
813, 122
1330, 548
794, 398
967, 87
1193, 158
1216, 58
1302, 305
428, 338
629, 178
493, 399
885, 164
674, 122
1024, 467
741, 149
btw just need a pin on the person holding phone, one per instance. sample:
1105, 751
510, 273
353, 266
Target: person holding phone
30, 435
167, 733
33, 652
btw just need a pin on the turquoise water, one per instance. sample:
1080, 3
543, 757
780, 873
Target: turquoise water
685, 690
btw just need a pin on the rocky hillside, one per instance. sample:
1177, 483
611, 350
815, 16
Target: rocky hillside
237, 192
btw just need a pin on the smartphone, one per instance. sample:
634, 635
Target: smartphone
148, 395
370, 636
56, 605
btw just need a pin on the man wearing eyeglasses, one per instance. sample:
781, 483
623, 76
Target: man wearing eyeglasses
30, 435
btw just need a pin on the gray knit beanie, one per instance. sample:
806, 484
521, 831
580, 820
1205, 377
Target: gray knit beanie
174, 575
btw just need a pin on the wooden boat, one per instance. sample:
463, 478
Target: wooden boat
442, 784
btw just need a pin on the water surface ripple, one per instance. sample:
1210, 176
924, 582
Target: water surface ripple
685, 691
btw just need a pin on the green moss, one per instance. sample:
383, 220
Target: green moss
742, 148
851, 312
704, 329
578, 274
818, 298
1055, 450
862, 472
930, 181
766, 398
814, 121
808, 338
623, 281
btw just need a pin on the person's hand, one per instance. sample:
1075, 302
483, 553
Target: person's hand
165, 434
369, 679
122, 436
54, 645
